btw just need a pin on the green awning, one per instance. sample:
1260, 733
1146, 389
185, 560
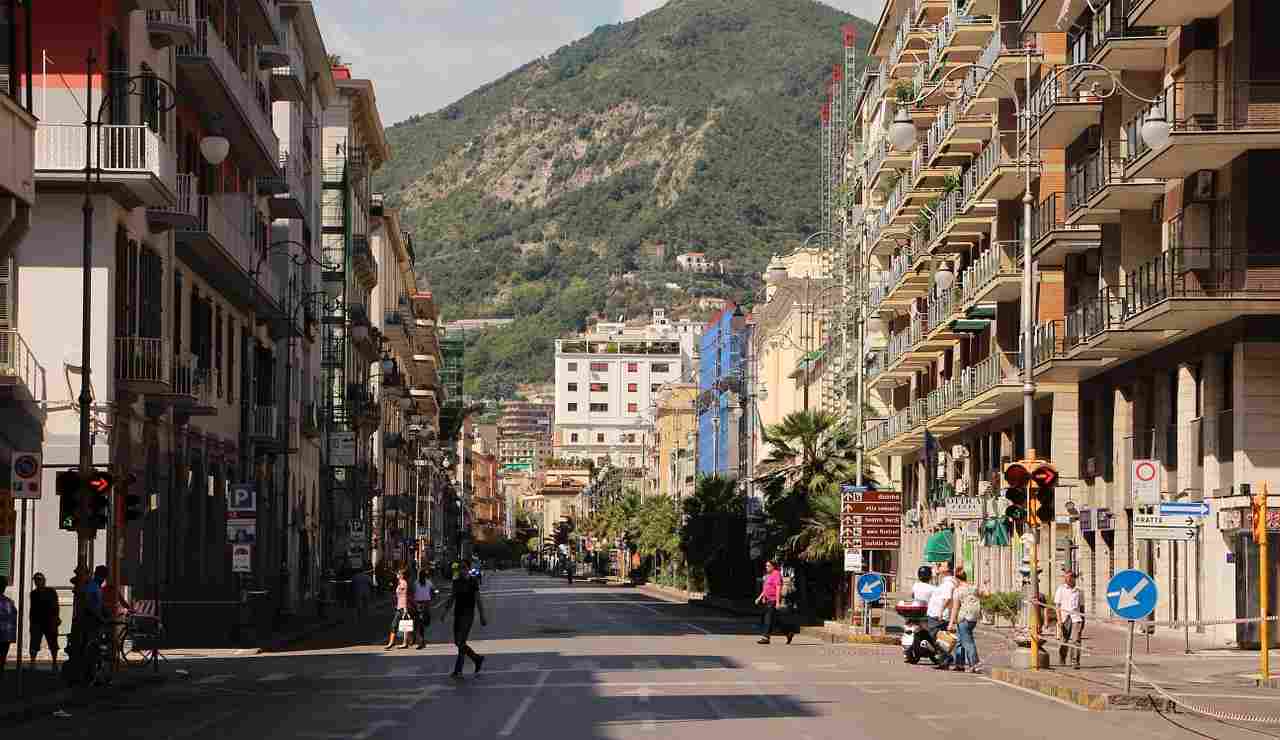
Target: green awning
982, 311
970, 326
940, 548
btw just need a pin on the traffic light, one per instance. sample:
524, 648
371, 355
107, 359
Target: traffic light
1015, 478
67, 486
1030, 485
135, 506
1041, 503
99, 485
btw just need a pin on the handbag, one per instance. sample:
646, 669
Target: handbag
406, 622
945, 640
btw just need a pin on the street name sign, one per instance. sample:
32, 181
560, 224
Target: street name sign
1175, 522
1188, 508
1132, 594
1185, 534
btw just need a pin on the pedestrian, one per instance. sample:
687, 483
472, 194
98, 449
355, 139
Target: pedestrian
404, 610
423, 591
939, 609
965, 609
465, 601
8, 622
44, 619
1069, 601
568, 570
771, 597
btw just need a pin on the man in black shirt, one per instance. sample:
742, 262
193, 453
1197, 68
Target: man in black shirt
44, 619
466, 599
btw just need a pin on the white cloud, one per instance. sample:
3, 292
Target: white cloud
636, 8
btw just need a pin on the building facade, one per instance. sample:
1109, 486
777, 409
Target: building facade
524, 435
676, 421
723, 403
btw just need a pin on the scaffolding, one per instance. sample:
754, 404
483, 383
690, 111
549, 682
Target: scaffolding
452, 353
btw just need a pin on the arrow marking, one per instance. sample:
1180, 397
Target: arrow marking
1129, 598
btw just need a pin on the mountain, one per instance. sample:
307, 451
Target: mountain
694, 127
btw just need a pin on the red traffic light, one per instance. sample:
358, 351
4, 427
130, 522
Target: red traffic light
1016, 475
100, 482
1045, 476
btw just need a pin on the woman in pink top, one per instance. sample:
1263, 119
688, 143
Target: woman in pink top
403, 611
771, 597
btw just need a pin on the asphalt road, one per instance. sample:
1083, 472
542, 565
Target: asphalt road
591, 661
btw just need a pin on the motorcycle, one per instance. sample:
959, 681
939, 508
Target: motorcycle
913, 646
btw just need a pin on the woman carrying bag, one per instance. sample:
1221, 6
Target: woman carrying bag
965, 610
402, 621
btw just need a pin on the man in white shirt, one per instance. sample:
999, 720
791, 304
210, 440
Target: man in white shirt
1069, 601
922, 591
939, 611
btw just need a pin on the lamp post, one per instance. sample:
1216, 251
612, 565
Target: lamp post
902, 136
213, 148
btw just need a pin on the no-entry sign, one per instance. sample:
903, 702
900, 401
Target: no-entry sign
1144, 479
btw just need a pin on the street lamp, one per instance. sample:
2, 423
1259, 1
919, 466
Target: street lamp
945, 276
213, 148
902, 133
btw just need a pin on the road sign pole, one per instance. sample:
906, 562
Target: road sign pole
1128, 661
1035, 576
1264, 627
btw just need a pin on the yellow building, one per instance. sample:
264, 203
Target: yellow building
677, 428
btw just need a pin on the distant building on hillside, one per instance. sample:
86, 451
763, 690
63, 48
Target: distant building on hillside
695, 262
607, 381
524, 435
465, 325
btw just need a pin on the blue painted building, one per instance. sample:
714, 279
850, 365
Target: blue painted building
722, 421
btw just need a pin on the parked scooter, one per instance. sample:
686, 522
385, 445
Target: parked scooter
913, 646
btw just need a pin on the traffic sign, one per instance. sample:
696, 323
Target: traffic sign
870, 586
1189, 508
964, 507
1144, 478
1132, 594
1176, 522
25, 478
852, 561
1164, 533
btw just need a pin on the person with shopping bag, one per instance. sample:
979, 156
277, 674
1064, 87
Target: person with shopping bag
402, 621
939, 614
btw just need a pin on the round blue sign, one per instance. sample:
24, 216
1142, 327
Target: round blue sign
1132, 594
870, 586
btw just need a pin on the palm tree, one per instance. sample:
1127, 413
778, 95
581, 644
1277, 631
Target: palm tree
809, 451
819, 535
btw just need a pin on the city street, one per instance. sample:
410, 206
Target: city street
591, 661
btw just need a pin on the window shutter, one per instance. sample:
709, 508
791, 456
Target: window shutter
7, 302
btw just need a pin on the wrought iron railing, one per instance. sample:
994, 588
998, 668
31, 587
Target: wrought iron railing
17, 361
1210, 107
1000, 257
142, 360
1091, 317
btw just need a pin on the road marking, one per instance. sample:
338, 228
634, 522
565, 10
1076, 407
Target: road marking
373, 728
691, 625
525, 667
272, 677
210, 680
1024, 690
527, 702
767, 699
714, 706
707, 665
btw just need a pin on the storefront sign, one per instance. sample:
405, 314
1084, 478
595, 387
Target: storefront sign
964, 507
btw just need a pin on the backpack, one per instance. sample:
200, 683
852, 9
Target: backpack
970, 605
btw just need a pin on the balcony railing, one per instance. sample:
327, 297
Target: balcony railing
1052, 90
263, 421
189, 379
18, 362
1185, 272
999, 152
142, 360
116, 148
1048, 341
941, 307
187, 197
1200, 107
903, 341
1108, 22
1048, 215
899, 265
1095, 315
1096, 172
1000, 257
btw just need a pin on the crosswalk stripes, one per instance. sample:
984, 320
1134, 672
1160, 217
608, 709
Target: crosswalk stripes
585, 665
768, 667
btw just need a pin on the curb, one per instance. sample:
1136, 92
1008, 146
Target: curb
65, 698
1077, 692
281, 643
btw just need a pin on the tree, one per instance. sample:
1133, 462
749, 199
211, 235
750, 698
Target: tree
714, 536
659, 535
819, 535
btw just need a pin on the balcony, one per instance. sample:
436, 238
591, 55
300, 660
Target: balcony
903, 281
1092, 319
262, 423
183, 212
994, 277
1010, 57
1211, 123
286, 200
366, 269
193, 387
142, 365
133, 165
998, 172
209, 72
1107, 38
289, 78
168, 28
221, 245
1173, 12
362, 406
425, 399
927, 12
1041, 16
1059, 115
1098, 190
1052, 238
262, 17
22, 377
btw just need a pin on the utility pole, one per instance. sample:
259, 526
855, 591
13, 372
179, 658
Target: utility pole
85, 535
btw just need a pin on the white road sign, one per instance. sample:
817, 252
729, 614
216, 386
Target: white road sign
1176, 522
1144, 479
964, 507
852, 561
1184, 534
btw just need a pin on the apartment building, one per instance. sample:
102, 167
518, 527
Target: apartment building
22, 372
724, 418
1152, 279
606, 383
524, 435
676, 425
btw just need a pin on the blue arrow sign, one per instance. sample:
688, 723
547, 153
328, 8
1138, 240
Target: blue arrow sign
1188, 508
870, 586
1132, 594
850, 488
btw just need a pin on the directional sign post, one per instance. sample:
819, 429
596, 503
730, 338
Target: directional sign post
1132, 595
870, 588
1189, 508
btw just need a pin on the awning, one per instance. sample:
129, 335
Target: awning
940, 547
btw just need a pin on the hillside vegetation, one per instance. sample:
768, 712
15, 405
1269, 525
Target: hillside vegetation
695, 126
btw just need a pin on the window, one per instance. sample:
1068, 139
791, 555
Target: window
633, 367
231, 348
599, 387
600, 438
633, 387
660, 367
599, 367
629, 438
573, 437
573, 367
573, 387
573, 407
653, 387
217, 345
633, 408
599, 408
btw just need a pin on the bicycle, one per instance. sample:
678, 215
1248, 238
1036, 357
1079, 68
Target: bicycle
139, 641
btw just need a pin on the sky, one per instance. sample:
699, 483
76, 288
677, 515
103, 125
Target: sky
424, 54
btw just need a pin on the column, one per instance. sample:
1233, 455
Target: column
1122, 412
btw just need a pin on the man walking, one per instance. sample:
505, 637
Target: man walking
465, 600
44, 619
1069, 601
771, 597
939, 610
423, 591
